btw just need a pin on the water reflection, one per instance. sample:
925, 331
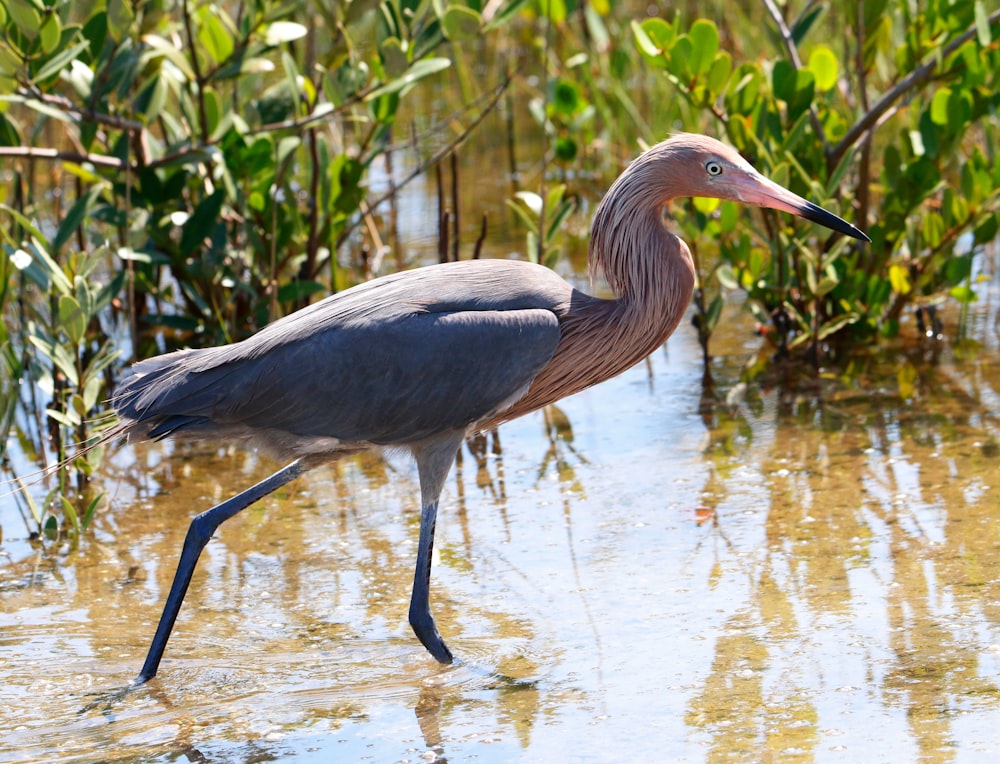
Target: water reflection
879, 546
767, 567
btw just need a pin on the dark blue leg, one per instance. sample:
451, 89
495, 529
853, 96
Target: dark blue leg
200, 531
420, 609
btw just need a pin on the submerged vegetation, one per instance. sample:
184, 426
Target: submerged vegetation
180, 173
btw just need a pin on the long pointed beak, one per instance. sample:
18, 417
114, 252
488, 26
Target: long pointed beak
761, 191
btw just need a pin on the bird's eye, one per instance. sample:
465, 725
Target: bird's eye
713, 168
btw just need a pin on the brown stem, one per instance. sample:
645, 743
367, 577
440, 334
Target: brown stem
308, 270
199, 81
28, 152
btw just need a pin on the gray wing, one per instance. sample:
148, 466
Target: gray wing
394, 379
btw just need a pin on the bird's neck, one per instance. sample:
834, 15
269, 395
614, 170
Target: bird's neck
649, 269
653, 277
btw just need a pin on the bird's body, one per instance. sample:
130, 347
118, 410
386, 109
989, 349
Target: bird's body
419, 359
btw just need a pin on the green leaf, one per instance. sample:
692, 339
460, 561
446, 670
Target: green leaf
899, 277
151, 99
566, 149
744, 97
718, 75
933, 229
71, 319
982, 24
566, 99
89, 514
67, 418
824, 66
705, 43
532, 201
727, 276
199, 226
964, 294
8, 133
835, 325
562, 211
161, 48
286, 149
802, 25
213, 35
553, 9
416, 72
681, 56
60, 61
393, 56
50, 33
25, 16
713, 313
59, 356
120, 18
460, 23
661, 34
74, 218
939, 106
52, 268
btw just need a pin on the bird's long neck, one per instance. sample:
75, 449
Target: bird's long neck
652, 275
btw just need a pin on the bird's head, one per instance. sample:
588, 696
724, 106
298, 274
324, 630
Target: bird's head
712, 169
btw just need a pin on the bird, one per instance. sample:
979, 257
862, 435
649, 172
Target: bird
419, 359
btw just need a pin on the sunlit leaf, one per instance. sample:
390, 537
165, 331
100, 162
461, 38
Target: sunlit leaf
899, 277
718, 75
705, 44
159, 47
531, 200
416, 72
964, 294
214, 37
50, 33
284, 31
60, 61
982, 24
824, 66
835, 325
939, 106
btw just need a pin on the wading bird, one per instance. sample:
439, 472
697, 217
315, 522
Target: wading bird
422, 358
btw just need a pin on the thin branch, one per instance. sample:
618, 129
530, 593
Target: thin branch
913, 80
27, 152
196, 68
90, 114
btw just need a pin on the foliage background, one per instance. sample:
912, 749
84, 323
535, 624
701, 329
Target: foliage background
180, 173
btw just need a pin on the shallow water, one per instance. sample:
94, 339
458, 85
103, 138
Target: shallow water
805, 572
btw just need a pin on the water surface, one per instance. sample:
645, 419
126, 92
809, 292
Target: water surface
789, 571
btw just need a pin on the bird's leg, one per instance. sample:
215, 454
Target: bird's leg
434, 460
421, 618
200, 531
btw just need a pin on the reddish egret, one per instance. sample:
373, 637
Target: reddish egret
422, 358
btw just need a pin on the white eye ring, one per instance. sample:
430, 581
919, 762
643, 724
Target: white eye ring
713, 168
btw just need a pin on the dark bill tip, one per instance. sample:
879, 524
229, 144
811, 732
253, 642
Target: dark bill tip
817, 214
